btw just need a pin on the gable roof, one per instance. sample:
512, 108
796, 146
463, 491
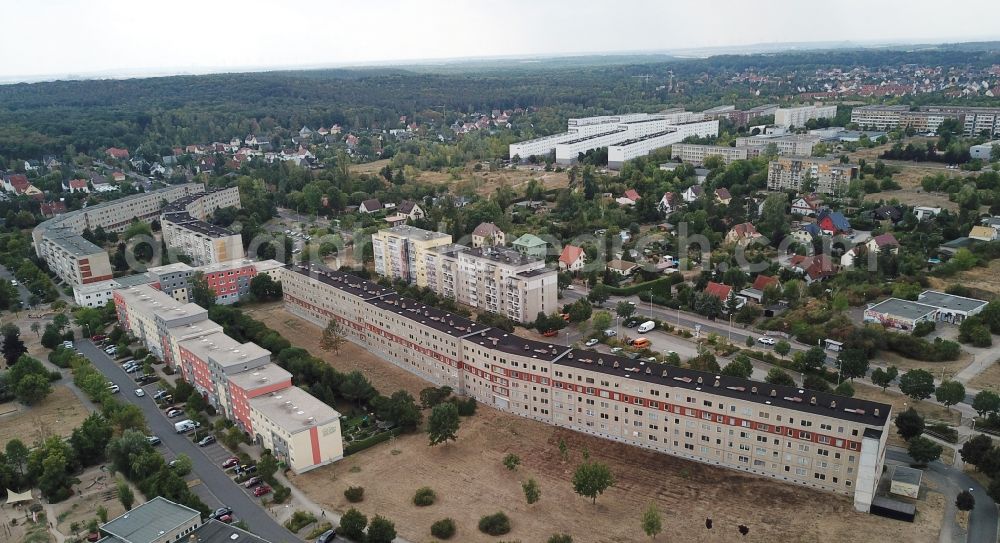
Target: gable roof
529, 240
815, 267
19, 182
723, 194
812, 228
669, 197
631, 194
764, 281
745, 230
718, 290
622, 266
77, 183
837, 219
885, 240
371, 204
696, 190
570, 254
486, 229
982, 232
406, 206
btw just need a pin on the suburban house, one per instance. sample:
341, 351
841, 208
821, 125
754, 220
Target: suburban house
874, 246
623, 267
718, 290
372, 205
17, 183
925, 212
629, 198
668, 203
761, 283
531, 245
118, 177
572, 258
116, 153
51, 209
396, 219
722, 196
813, 268
889, 213
76, 185
488, 234
805, 205
805, 234
742, 234
833, 222
983, 233
410, 209
692, 193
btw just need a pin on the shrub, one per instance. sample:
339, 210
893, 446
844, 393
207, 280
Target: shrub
923, 328
318, 531
354, 494
352, 525
299, 520
560, 538
444, 528
281, 494
495, 524
425, 496
466, 407
512, 461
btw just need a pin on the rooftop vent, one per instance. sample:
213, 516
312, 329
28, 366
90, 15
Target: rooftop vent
774, 393
664, 373
700, 380
833, 404
753, 390
716, 383
875, 413
812, 401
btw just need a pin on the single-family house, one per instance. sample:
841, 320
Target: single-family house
488, 234
805, 205
51, 209
411, 209
116, 153
629, 198
722, 196
813, 268
833, 222
893, 214
396, 219
926, 212
76, 185
372, 205
983, 233
742, 234
718, 290
572, 258
623, 268
16, 182
755, 292
118, 176
668, 203
531, 245
692, 193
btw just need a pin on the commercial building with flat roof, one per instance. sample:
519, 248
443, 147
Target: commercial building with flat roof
952, 308
900, 314
157, 521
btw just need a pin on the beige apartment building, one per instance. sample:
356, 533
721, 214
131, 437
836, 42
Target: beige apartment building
696, 154
78, 261
791, 145
299, 429
823, 441
827, 176
400, 252
186, 231
799, 116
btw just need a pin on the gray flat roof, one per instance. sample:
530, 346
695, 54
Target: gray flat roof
950, 301
903, 308
294, 409
214, 531
149, 520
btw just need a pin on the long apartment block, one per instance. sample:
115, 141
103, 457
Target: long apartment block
828, 176
974, 120
79, 262
186, 230
236, 378
799, 116
823, 441
786, 145
496, 279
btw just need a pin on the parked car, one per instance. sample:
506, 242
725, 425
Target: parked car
221, 512
167, 399
246, 468
616, 350
327, 536
97, 337
230, 462
153, 440
766, 340
114, 389
174, 412
206, 441
159, 394
591, 342
261, 490
253, 481
228, 519
140, 392
610, 333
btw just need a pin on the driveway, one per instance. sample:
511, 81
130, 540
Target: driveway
216, 488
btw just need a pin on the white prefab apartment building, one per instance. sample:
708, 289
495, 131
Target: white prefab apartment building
797, 116
813, 439
696, 154
829, 176
619, 152
792, 145
974, 120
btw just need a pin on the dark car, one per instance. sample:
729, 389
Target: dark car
261, 490
230, 462
246, 469
253, 481
205, 441
221, 512
327, 536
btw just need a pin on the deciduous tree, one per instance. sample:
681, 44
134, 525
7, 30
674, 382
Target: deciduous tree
591, 479
442, 425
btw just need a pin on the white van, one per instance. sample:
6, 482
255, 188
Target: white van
184, 426
646, 326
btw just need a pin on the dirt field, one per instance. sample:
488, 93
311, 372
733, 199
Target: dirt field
900, 402
481, 182
96, 488
914, 197
939, 369
470, 480
985, 279
989, 379
57, 415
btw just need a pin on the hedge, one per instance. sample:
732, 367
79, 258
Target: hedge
942, 431
358, 446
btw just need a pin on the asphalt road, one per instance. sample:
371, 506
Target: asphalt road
983, 520
25, 294
216, 487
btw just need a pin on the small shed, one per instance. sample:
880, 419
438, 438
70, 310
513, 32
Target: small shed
905, 481
894, 509
832, 345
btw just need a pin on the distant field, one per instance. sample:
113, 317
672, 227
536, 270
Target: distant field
481, 182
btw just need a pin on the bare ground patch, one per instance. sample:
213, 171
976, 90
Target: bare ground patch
57, 415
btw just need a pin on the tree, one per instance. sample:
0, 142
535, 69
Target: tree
909, 424
182, 465
13, 347
400, 409
772, 222
36, 327
844, 389
853, 363
591, 479
51, 337
600, 321
442, 425
32, 389
624, 309
740, 367
356, 388
923, 450
381, 530
813, 359
950, 393
777, 376
965, 501
333, 337
200, 292
782, 347
352, 525
531, 491
652, 522
125, 495
54, 479
884, 378
986, 402
975, 449
264, 288
917, 384
432, 396
443, 529
512, 461
598, 294
815, 382
91, 438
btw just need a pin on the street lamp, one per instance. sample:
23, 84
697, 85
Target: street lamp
730, 328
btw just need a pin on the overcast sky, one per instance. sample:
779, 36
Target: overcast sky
119, 37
